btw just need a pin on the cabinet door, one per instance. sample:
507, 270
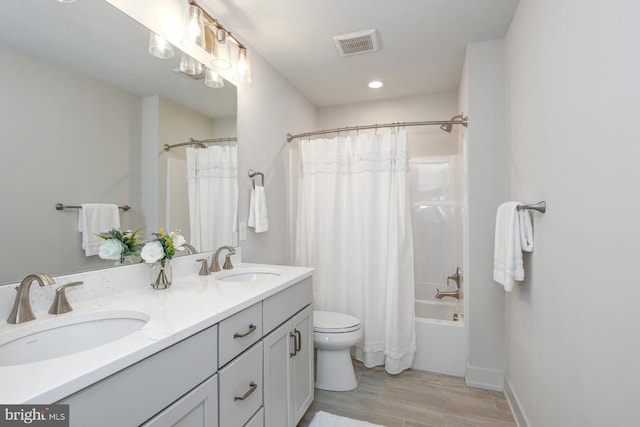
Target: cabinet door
277, 349
198, 408
302, 364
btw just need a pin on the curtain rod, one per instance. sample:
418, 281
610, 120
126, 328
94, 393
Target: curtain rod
464, 121
200, 143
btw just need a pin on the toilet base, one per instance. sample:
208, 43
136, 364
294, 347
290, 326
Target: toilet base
335, 370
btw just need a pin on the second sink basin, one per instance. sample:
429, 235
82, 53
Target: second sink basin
248, 274
62, 336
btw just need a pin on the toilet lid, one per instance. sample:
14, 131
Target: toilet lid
332, 322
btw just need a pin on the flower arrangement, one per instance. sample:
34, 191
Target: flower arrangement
164, 246
123, 246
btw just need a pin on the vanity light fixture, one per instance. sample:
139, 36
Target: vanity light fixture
376, 84
190, 65
195, 26
213, 79
221, 49
218, 43
159, 47
243, 67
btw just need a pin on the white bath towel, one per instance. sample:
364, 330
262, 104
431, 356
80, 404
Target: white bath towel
96, 218
513, 235
258, 218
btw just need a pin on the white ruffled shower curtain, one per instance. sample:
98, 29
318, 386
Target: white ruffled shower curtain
354, 227
212, 176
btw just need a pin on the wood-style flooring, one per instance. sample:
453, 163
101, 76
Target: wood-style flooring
413, 398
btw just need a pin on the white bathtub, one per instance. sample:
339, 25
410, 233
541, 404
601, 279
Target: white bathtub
441, 341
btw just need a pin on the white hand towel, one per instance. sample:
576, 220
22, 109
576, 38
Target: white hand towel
513, 235
258, 218
96, 218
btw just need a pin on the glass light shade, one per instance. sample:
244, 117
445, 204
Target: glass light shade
221, 51
213, 79
159, 47
243, 67
189, 65
195, 26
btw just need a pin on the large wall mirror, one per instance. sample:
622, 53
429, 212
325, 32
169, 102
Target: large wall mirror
85, 112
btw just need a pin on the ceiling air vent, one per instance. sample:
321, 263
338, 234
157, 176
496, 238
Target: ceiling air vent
355, 43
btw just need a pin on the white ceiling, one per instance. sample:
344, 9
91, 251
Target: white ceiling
422, 42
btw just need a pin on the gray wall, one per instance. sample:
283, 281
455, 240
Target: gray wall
482, 95
572, 335
64, 138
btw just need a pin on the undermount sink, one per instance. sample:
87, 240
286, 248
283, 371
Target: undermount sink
248, 274
61, 336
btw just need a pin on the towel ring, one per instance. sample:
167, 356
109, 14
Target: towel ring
253, 173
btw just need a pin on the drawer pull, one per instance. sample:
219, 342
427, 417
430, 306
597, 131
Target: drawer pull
298, 340
295, 344
252, 388
251, 329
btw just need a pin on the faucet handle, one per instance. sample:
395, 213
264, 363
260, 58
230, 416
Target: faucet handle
60, 302
227, 262
204, 267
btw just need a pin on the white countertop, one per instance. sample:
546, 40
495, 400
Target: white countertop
190, 305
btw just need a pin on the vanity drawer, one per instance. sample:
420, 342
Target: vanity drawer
238, 332
241, 388
281, 306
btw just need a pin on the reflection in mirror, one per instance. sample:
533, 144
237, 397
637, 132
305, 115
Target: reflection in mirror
85, 113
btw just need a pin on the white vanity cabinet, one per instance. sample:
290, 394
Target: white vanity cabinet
253, 368
288, 356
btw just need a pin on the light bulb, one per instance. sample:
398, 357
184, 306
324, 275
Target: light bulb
195, 26
243, 67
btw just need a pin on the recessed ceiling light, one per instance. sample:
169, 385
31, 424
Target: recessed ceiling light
376, 84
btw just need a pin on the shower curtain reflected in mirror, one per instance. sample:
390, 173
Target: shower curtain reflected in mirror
212, 176
354, 227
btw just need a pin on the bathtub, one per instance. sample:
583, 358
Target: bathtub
441, 340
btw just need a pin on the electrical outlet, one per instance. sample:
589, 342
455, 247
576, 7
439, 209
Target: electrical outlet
242, 231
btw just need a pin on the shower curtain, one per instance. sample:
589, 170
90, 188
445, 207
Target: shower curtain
212, 175
354, 227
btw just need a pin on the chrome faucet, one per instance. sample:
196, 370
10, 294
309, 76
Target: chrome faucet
215, 265
456, 277
21, 311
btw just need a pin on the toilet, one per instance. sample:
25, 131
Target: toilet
333, 336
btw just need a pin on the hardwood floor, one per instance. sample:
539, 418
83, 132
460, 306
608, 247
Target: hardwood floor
413, 399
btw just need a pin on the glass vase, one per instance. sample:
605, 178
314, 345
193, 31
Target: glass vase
161, 274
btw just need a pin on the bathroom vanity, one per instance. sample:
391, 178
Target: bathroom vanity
219, 350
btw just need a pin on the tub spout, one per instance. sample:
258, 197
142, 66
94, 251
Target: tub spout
457, 294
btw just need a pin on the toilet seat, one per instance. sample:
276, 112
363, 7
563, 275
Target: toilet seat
330, 322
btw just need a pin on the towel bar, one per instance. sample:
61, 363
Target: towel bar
540, 207
253, 173
60, 206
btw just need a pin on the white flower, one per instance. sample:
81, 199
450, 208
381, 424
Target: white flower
111, 249
152, 252
178, 241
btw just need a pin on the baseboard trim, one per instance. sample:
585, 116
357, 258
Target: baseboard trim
488, 379
514, 404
